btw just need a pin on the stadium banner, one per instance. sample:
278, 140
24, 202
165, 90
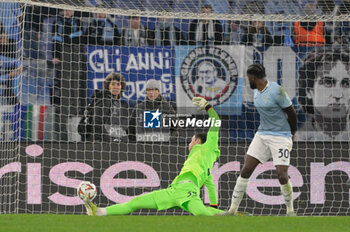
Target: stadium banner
323, 109
215, 73
50, 172
26, 122
321, 115
137, 65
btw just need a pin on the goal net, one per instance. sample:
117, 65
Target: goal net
101, 90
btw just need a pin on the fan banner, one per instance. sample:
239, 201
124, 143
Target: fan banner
215, 73
136, 64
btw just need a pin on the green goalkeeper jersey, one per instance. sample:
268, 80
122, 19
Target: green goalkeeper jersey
200, 161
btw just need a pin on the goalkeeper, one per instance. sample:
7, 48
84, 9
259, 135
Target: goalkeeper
184, 191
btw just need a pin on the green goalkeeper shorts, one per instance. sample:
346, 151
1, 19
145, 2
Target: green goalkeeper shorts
175, 195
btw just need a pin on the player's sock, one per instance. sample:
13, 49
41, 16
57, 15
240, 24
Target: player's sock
101, 212
237, 195
287, 192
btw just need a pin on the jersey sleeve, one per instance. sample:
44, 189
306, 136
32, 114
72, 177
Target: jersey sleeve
209, 184
213, 133
282, 98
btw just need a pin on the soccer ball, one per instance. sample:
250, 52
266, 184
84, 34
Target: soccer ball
87, 189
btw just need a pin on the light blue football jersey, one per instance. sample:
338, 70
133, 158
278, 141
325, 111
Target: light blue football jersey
269, 103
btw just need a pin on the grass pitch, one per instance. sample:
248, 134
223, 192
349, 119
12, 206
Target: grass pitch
72, 223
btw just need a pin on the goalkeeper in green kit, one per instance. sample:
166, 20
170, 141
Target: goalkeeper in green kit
184, 191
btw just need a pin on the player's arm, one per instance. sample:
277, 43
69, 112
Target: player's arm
285, 103
209, 184
213, 133
292, 119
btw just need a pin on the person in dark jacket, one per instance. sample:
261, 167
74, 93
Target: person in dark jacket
154, 101
103, 31
136, 34
10, 68
167, 34
257, 35
69, 90
205, 32
107, 114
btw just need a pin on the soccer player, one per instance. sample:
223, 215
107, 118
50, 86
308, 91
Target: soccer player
274, 138
184, 191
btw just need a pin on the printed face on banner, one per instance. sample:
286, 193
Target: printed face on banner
324, 84
206, 81
209, 73
331, 94
212, 73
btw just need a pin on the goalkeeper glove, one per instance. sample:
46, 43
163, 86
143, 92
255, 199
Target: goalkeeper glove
200, 102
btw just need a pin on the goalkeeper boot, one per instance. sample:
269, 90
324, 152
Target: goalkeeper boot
91, 208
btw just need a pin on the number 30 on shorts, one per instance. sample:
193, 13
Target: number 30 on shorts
283, 153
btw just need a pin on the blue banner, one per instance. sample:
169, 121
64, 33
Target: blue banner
137, 65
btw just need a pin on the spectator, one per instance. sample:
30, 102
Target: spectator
309, 34
253, 7
136, 34
280, 31
167, 34
11, 18
103, 31
205, 32
107, 115
70, 81
235, 33
10, 68
343, 28
154, 101
257, 35
33, 25
329, 9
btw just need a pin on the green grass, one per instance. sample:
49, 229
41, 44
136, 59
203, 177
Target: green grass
72, 223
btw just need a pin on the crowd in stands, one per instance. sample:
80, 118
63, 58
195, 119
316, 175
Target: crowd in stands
59, 36
101, 29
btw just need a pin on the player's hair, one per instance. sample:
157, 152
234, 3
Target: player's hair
202, 137
115, 77
256, 70
308, 72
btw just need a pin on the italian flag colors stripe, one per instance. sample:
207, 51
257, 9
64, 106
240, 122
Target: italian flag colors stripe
33, 122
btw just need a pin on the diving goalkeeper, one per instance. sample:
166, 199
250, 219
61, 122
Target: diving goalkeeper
184, 191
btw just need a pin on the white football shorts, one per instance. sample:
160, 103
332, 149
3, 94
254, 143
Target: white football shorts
265, 147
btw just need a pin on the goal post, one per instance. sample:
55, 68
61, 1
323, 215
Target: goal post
101, 91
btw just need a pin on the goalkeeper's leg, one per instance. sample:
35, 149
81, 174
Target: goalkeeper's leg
197, 208
142, 202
